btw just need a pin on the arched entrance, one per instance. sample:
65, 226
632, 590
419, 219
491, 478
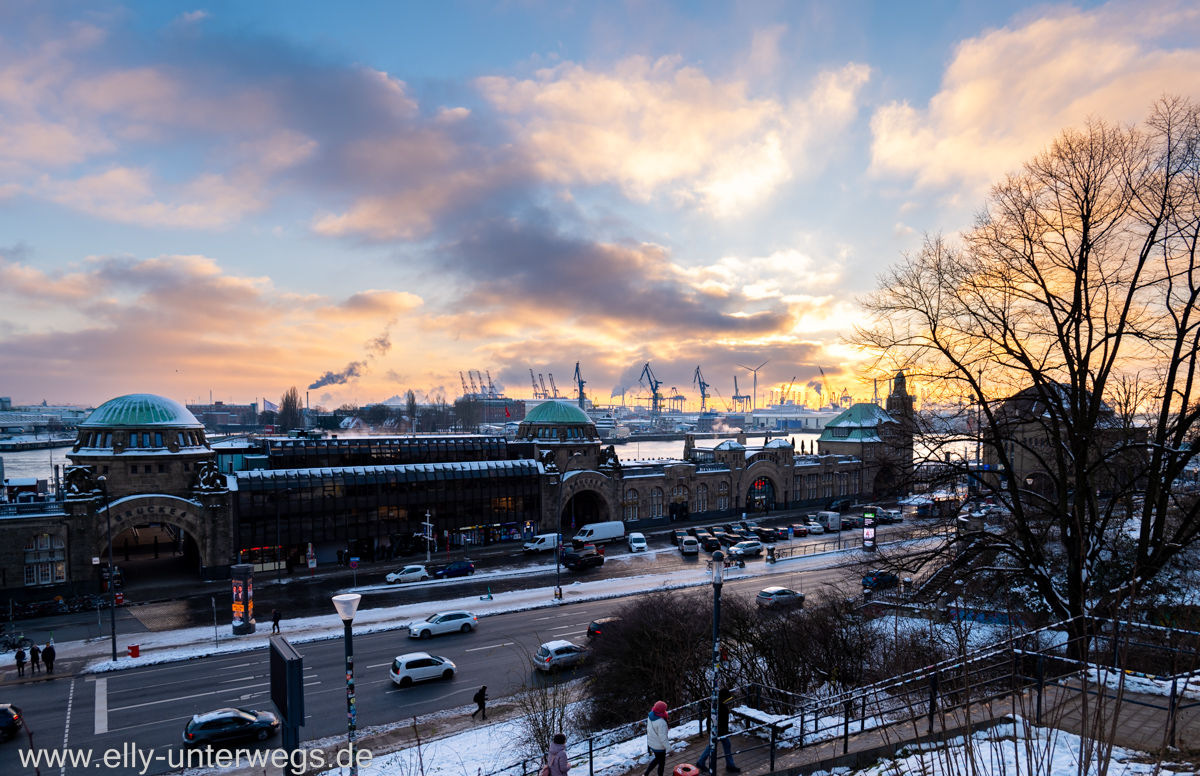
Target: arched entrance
586, 506
156, 540
761, 495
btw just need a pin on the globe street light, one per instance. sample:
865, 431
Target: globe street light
558, 551
112, 572
346, 605
718, 567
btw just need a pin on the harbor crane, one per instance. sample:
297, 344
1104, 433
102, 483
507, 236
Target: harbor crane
463, 380
579, 381
739, 399
699, 380
827, 390
754, 393
676, 400
553, 387
471, 378
787, 392
542, 380
537, 393
655, 397
491, 388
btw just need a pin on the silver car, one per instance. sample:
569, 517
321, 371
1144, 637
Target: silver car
420, 667
554, 656
778, 598
742, 549
443, 622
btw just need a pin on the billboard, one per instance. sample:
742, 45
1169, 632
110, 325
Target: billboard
868, 542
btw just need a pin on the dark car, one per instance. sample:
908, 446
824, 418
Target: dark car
799, 529
840, 505
710, 543
727, 539
459, 568
582, 559
10, 721
781, 533
880, 580
698, 531
852, 522
766, 535
677, 536
747, 525
597, 626
224, 725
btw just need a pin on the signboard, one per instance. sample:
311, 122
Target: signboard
312, 557
869, 529
243, 598
354, 563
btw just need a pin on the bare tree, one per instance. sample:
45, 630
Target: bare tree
289, 409
410, 409
1063, 330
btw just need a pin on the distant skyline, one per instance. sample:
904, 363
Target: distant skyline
371, 198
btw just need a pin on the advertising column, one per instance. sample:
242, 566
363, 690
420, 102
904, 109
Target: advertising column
869, 529
243, 598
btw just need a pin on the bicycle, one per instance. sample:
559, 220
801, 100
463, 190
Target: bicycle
11, 642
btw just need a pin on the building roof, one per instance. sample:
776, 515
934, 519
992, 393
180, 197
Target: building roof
138, 410
730, 444
557, 412
859, 423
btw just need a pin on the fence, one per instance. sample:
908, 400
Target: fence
784, 552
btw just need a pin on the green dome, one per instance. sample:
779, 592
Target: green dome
140, 410
557, 412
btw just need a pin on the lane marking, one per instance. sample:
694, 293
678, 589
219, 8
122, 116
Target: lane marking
171, 700
151, 724
67, 729
492, 646
377, 665
101, 706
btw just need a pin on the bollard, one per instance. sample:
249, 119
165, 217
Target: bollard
774, 738
1172, 704
591, 758
933, 689
846, 727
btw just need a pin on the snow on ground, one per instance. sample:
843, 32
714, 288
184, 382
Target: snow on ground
1186, 686
200, 641
1008, 748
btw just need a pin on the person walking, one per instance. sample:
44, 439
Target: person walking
20, 661
724, 704
480, 701
275, 618
35, 659
559, 764
48, 657
656, 737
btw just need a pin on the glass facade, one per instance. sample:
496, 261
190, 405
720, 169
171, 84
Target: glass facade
381, 451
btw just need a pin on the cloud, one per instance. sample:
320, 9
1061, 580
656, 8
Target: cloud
1007, 92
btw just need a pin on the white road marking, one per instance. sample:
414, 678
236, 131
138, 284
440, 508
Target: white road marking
377, 665
492, 646
168, 700
101, 706
67, 729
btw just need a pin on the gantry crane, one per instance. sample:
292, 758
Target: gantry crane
463, 380
698, 379
542, 380
491, 388
553, 387
579, 381
655, 384
536, 393
739, 399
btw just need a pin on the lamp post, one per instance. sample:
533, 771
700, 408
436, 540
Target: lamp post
428, 533
346, 605
278, 541
718, 566
558, 528
112, 572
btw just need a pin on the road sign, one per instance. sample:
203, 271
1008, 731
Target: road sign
354, 563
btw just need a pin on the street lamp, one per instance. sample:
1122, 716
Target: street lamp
428, 534
112, 572
718, 579
558, 527
346, 605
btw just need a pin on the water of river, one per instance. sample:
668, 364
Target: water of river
35, 463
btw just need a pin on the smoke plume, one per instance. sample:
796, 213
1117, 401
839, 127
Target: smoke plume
352, 370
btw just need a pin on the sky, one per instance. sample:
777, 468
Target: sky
230, 199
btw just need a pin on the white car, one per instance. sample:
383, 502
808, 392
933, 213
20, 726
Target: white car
444, 622
749, 547
815, 528
637, 542
419, 667
689, 546
409, 574
554, 656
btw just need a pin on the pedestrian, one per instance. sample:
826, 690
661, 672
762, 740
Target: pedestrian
724, 704
48, 658
559, 764
275, 618
20, 661
656, 737
480, 701
341, 554
35, 659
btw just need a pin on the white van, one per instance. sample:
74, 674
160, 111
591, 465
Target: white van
541, 543
830, 521
600, 533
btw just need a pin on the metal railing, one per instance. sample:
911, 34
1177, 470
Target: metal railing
31, 508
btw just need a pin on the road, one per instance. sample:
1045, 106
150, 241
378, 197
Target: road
150, 706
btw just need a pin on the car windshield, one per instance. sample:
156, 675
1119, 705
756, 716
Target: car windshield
542, 652
432, 617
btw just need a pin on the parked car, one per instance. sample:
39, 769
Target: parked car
710, 544
852, 521
747, 525
839, 505
409, 574
420, 667
728, 539
225, 725
895, 515
880, 580
595, 627
677, 536
554, 656
799, 529
637, 542
459, 568
815, 528
443, 622
778, 598
689, 546
698, 531
585, 558
766, 535
781, 533
742, 549
10, 721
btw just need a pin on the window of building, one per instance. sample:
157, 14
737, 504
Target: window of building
841, 433
827, 484
133, 470
45, 560
631, 504
148, 469
656, 502
105, 470
162, 468
146, 439
723, 496
158, 440
133, 440
701, 498
812, 486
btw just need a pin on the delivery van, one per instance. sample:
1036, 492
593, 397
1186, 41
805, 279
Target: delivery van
601, 533
541, 543
830, 521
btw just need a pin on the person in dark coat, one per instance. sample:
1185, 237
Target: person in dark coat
35, 659
481, 701
20, 662
48, 658
275, 618
724, 704
341, 556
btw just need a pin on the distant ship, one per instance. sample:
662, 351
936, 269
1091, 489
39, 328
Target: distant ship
608, 428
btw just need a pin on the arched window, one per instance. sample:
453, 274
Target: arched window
630, 504
701, 498
45, 560
656, 502
723, 496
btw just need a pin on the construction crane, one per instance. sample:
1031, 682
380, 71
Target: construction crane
463, 380
789, 390
699, 380
826, 391
754, 393
579, 381
537, 394
655, 384
739, 399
